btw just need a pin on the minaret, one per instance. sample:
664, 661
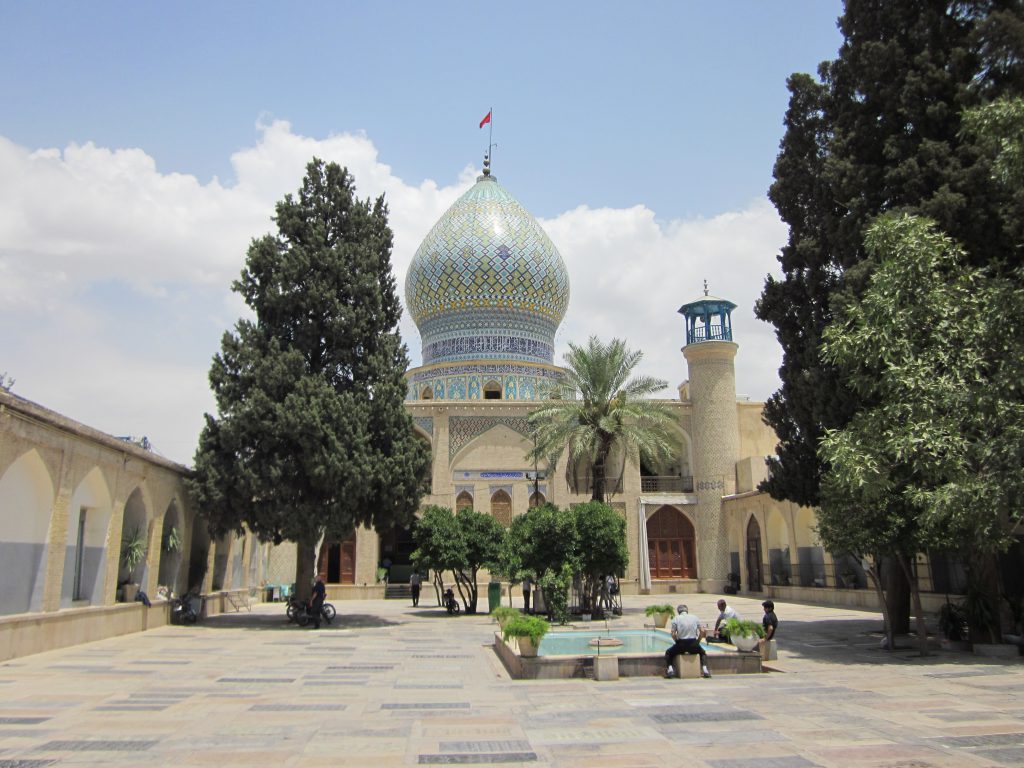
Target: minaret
710, 353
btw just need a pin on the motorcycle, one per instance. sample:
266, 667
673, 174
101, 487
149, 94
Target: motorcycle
298, 611
186, 609
450, 603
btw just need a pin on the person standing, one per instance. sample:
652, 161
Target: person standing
526, 594
770, 621
687, 633
415, 582
316, 600
724, 614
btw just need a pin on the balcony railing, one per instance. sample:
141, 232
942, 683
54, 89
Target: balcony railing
666, 484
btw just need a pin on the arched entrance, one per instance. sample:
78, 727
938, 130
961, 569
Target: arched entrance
464, 501
753, 556
670, 544
338, 560
501, 508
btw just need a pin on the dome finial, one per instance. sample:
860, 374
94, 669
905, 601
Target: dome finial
487, 163
705, 287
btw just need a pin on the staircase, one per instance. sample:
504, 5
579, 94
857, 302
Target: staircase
398, 592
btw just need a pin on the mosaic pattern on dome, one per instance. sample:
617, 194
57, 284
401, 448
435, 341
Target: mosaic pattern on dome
486, 253
464, 429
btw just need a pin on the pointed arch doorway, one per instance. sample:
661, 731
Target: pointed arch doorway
338, 561
671, 545
753, 556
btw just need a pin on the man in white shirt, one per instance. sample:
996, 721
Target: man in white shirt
687, 632
724, 614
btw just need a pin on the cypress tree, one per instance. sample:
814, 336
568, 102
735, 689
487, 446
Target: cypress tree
880, 131
312, 436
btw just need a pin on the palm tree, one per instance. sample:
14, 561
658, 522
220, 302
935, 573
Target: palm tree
608, 411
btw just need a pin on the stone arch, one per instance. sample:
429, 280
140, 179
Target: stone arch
172, 546
239, 552
671, 544
810, 554
779, 542
501, 507
26, 505
198, 555
427, 393
673, 474
464, 501
492, 390
135, 523
220, 562
499, 447
86, 551
537, 499
754, 555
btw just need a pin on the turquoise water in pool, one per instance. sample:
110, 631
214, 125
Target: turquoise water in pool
633, 641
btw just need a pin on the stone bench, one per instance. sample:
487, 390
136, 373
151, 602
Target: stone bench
686, 665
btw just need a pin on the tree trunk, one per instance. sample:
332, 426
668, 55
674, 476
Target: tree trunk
438, 588
897, 593
922, 627
598, 491
305, 552
874, 573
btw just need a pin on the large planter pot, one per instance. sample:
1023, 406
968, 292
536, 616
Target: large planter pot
661, 619
526, 647
744, 643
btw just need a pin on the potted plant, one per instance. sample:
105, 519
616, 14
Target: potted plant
743, 633
133, 552
172, 542
505, 613
528, 631
661, 614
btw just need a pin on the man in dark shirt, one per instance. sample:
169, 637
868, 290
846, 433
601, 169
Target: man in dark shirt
316, 601
770, 621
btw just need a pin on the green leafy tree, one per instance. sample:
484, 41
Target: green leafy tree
934, 460
544, 538
462, 543
600, 547
880, 131
311, 436
612, 412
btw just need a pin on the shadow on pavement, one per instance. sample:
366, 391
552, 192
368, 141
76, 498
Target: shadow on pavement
279, 622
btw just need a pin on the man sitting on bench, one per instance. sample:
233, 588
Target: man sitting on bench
687, 633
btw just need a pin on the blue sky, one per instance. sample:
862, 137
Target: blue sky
143, 144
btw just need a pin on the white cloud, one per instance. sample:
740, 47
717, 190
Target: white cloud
115, 278
630, 274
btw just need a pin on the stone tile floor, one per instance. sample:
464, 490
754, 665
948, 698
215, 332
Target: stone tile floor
390, 685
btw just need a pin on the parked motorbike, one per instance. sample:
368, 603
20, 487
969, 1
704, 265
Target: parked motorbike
298, 611
450, 603
186, 608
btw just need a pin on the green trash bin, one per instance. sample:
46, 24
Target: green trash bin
493, 596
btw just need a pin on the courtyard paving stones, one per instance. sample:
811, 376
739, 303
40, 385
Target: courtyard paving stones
390, 685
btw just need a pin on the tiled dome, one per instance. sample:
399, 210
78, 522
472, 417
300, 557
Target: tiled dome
487, 283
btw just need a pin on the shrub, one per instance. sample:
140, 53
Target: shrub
743, 628
532, 627
556, 592
652, 610
505, 613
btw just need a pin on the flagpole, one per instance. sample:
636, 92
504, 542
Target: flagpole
490, 136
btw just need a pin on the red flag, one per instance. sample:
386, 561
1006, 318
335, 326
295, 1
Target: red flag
486, 119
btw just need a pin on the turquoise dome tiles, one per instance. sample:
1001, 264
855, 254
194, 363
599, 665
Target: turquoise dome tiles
487, 283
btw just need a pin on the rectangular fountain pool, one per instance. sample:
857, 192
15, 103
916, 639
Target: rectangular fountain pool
579, 643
